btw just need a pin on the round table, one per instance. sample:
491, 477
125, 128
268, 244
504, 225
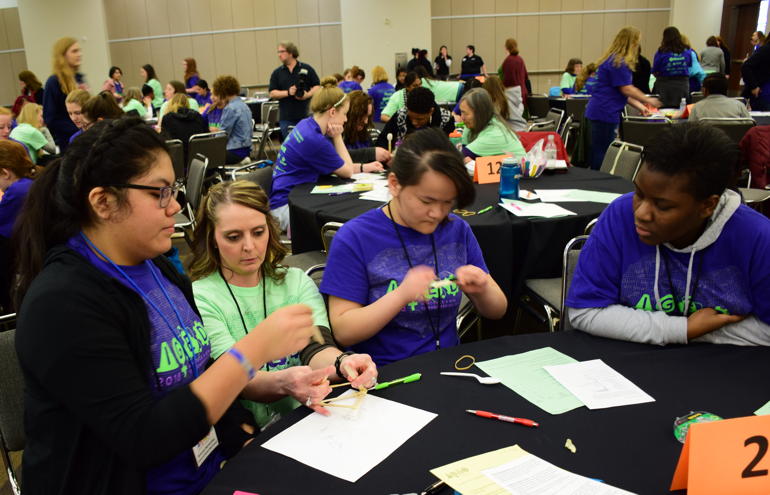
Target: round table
630, 447
515, 248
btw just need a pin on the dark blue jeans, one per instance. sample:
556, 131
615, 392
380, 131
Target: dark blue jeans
284, 124
602, 134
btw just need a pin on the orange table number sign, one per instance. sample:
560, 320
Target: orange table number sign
487, 169
729, 456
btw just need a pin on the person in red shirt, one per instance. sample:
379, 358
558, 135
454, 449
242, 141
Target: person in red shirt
514, 76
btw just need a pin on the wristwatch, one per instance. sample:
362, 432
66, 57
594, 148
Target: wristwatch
338, 361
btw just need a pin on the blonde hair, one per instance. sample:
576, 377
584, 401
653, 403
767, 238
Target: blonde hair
78, 97
581, 79
176, 102
132, 93
623, 48
379, 74
205, 256
61, 69
328, 97
29, 115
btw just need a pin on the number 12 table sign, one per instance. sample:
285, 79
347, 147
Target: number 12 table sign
727, 456
487, 170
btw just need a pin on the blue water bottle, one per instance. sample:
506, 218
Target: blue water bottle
510, 172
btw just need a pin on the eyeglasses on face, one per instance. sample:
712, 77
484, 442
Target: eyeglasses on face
165, 193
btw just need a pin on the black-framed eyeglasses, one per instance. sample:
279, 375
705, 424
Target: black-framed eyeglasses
165, 192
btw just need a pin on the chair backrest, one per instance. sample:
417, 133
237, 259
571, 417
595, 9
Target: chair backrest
569, 262
211, 145
262, 177
734, 128
538, 105
195, 175
642, 131
328, 231
316, 273
545, 126
696, 96
624, 160
576, 108
270, 113
12, 393
176, 150
556, 115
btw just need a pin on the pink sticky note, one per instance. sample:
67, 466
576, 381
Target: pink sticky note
238, 492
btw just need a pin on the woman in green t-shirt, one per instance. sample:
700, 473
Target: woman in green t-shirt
151, 79
238, 281
488, 134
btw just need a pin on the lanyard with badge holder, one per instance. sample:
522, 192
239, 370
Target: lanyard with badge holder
434, 328
207, 445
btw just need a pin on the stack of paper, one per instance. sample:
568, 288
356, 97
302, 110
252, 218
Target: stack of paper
349, 443
514, 470
571, 195
343, 188
544, 210
556, 165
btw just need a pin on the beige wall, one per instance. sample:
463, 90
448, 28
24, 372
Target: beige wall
12, 58
45, 21
249, 53
549, 32
390, 27
697, 19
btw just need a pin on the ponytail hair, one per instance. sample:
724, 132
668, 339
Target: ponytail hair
57, 207
328, 97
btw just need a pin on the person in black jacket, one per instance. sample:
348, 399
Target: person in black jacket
756, 75
641, 74
180, 122
120, 393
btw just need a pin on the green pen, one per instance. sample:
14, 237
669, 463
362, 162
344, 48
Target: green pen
407, 379
484, 210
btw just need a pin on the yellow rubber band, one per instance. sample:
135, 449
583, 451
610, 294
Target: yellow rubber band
457, 363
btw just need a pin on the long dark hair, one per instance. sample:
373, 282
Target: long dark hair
672, 41
430, 149
150, 70
57, 207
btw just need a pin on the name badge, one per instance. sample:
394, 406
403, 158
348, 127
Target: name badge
205, 447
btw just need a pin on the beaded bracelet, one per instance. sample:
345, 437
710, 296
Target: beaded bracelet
247, 367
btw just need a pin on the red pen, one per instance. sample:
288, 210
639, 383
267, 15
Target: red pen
509, 419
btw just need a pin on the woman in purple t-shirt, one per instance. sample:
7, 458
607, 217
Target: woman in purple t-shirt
315, 147
395, 273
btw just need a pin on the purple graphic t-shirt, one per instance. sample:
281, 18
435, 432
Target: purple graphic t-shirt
368, 261
176, 355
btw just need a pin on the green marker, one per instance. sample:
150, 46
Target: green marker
483, 210
407, 379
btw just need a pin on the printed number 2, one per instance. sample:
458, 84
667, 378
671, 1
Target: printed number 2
496, 170
749, 471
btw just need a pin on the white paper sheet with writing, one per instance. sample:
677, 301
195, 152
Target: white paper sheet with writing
349, 443
531, 475
597, 385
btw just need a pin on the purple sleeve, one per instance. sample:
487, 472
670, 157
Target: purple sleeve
345, 275
325, 158
620, 76
596, 282
192, 81
657, 63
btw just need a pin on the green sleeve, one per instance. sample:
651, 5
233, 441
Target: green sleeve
214, 320
158, 90
395, 103
308, 294
193, 104
163, 108
567, 80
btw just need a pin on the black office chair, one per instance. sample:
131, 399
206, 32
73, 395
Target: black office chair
211, 145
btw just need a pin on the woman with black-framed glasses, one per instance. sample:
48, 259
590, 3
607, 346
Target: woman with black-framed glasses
120, 387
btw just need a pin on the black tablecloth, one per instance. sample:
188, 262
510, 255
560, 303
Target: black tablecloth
514, 248
631, 447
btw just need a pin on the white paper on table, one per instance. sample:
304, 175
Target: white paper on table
368, 177
759, 113
556, 165
380, 193
570, 195
545, 210
531, 475
471, 167
350, 442
597, 385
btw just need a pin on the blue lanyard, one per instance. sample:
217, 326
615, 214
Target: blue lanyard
148, 263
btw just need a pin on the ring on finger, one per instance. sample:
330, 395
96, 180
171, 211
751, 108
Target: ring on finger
309, 401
